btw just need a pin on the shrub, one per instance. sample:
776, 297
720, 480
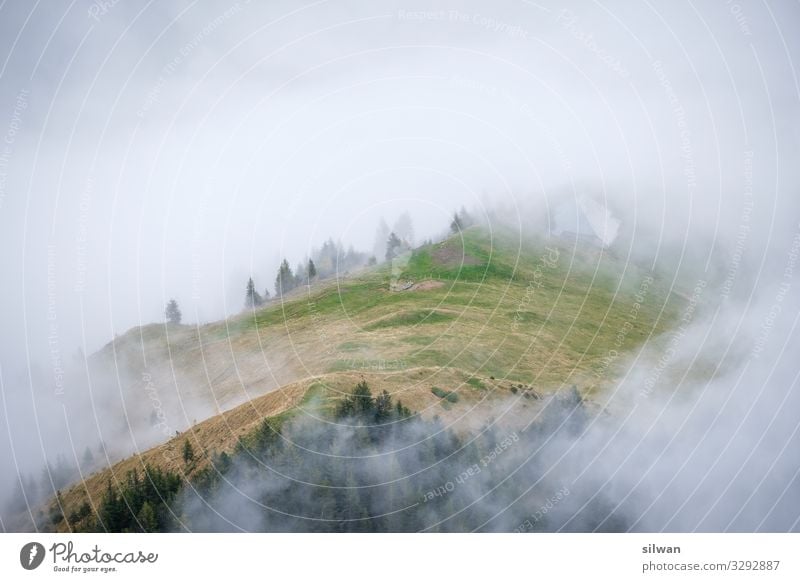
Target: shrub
187, 452
444, 394
439, 392
476, 383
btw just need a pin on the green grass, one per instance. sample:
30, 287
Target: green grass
351, 346
411, 318
419, 340
476, 383
499, 312
474, 260
314, 395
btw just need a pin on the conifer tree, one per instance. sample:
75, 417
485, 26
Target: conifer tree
393, 246
362, 398
252, 297
284, 282
147, 518
300, 275
188, 452
88, 458
404, 229
173, 312
383, 406
455, 225
466, 219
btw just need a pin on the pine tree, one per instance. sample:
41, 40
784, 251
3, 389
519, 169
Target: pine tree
393, 246
147, 518
112, 510
466, 219
222, 462
188, 452
312, 270
362, 398
383, 406
284, 282
88, 458
455, 225
359, 402
173, 312
402, 411
404, 229
252, 297
461, 220
326, 259
300, 275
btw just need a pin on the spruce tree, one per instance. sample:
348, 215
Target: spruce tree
312, 270
252, 297
173, 312
188, 452
112, 510
455, 225
466, 219
362, 398
404, 229
284, 282
393, 246
300, 275
88, 458
147, 518
383, 406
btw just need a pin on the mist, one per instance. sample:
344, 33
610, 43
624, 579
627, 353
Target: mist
152, 152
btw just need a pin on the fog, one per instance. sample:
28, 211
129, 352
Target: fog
154, 151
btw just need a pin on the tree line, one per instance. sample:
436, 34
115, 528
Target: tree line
332, 259
366, 464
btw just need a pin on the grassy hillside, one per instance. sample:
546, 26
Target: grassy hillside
445, 328
485, 304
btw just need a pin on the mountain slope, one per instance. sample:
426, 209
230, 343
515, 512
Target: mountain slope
484, 304
480, 314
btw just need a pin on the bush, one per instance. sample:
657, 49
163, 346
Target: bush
187, 452
121, 507
476, 383
80, 514
445, 395
439, 392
